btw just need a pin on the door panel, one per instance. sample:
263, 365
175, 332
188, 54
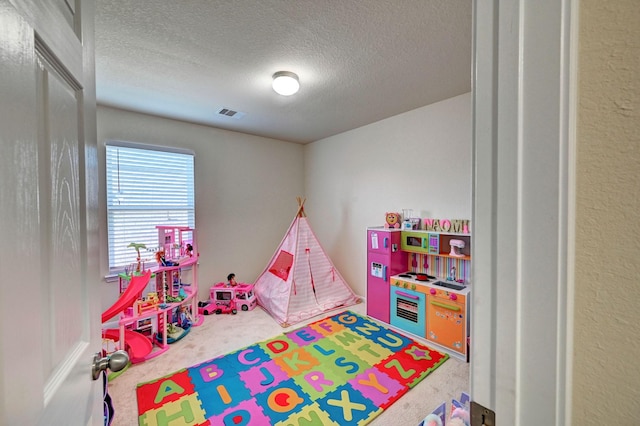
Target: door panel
62, 278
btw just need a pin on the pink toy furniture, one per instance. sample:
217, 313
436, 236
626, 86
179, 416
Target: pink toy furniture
384, 259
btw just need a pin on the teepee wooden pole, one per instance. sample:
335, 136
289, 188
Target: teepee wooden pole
301, 212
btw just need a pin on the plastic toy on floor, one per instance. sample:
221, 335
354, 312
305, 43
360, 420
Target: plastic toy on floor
206, 307
222, 296
437, 416
228, 307
223, 299
459, 415
460, 411
245, 298
241, 296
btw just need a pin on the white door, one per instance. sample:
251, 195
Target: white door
49, 328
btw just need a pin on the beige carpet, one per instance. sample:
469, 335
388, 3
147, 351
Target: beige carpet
220, 334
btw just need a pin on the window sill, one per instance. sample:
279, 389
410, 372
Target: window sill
111, 277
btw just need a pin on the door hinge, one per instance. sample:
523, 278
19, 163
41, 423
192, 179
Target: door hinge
481, 416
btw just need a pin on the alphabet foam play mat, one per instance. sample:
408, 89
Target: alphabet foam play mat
342, 370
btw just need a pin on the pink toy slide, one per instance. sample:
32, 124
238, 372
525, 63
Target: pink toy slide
136, 344
130, 295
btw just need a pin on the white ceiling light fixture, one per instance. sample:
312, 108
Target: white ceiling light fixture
285, 83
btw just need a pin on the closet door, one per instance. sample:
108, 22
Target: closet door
48, 184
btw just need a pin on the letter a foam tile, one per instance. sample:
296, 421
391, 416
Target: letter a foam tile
185, 411
165, 389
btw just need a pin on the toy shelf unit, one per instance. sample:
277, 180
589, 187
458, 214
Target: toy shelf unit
176, 275
443, 255
152, 321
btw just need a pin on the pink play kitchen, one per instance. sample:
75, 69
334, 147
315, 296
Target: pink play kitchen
418, 279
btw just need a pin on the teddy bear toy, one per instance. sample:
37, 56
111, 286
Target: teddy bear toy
392, 220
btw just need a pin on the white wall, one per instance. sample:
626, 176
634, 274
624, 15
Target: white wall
606, 376
246, 185
245, 188
418, 160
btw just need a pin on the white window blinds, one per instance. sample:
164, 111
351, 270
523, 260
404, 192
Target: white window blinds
145, 188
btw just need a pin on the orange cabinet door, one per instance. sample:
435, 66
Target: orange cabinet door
446, 324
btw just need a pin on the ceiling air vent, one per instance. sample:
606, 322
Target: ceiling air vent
231, 113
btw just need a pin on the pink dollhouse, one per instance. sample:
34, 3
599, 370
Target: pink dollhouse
144, 323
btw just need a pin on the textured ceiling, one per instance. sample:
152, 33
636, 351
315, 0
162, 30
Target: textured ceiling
359, 61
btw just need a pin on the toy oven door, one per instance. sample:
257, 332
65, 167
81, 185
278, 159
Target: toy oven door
446, 323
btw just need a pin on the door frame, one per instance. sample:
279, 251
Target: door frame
524, 107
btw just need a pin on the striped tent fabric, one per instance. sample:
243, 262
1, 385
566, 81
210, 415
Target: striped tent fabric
300, 281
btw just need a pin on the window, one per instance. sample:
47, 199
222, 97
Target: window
145, 187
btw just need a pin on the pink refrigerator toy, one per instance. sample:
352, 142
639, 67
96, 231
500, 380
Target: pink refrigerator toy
384, 259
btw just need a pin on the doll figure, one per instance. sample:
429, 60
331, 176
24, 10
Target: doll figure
231, 280
184, 319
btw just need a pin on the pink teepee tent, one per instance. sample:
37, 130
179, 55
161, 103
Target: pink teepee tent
300, 281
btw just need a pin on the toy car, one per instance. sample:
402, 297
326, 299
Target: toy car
206, 308
222, 308
223, 301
